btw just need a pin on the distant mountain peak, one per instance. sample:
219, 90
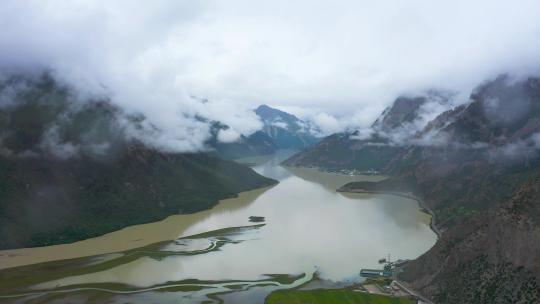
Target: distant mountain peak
267, 113
287, 130
264, 107
281, 130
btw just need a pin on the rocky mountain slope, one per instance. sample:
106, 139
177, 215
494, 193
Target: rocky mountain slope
477, 166
483, 186
490, 258
69, 170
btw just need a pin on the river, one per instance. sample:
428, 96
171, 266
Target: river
308, 229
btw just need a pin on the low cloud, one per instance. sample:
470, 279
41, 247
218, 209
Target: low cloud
327, 124
496, 121
152, 58
523, 150
228, 136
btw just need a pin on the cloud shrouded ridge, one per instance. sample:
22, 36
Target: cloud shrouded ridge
337, 64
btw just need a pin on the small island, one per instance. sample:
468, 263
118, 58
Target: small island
256, 219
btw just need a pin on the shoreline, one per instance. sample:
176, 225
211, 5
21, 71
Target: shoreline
432, 226
422, 207
421, 204
127, 238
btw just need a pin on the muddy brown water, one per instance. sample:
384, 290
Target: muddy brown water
309, 228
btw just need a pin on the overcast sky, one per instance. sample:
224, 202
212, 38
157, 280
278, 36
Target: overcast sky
336, 62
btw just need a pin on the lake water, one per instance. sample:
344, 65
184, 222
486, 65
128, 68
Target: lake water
308, 228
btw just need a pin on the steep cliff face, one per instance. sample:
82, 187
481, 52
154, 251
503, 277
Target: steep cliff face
490, 258
69, 170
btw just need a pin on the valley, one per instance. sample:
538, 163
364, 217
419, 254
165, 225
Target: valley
270, 152
208, 257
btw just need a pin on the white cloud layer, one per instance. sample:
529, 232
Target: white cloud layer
346, 59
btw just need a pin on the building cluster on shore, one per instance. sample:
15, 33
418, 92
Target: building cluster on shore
384, 282
350, 172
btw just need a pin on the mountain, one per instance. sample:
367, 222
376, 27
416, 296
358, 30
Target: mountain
70, 170
287, 130
477, 167
491, 258
280, 130
411, 111
396, 124
345, 151
483, 188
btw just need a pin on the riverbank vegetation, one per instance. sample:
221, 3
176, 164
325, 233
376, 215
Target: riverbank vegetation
331, 296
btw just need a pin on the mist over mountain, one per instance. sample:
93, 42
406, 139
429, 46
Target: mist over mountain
477, 167
118, 113
256, 144
153, 58
285, 129
500, 117
75, 168
280, 130
372, 147
408, 115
